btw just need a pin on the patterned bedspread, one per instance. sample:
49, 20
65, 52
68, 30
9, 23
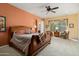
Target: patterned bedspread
21, 41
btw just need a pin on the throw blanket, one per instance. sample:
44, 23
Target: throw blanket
21, 41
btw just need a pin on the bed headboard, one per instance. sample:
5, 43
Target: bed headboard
15, 29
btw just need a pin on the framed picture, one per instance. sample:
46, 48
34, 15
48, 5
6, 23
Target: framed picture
2, 23
71, 25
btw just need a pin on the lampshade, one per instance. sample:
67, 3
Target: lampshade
35, 26
56, 28
67, 30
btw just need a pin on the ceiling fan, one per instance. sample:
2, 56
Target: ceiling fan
49, 9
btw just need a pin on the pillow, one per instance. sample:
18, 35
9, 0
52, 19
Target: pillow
20, 32
28, 31
19, 38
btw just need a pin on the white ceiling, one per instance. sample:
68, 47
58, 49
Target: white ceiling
39, 8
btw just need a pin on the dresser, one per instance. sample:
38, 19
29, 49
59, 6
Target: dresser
56, 34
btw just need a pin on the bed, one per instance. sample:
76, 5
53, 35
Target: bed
29, 43
20, 38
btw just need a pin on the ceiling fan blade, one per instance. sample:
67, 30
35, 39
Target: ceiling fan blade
54, 8
53, 11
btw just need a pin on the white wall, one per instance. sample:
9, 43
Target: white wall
41, 26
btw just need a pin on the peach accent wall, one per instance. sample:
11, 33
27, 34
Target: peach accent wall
15, 16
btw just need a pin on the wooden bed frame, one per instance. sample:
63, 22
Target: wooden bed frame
11, 31
33, 48
15, 29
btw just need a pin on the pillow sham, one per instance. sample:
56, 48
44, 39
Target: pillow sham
17, 37
20, 32
22, 36
28, 31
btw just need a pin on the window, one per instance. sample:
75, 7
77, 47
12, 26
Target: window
58, 25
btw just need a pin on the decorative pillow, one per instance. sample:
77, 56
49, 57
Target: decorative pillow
19, 38
20, 32
28, 31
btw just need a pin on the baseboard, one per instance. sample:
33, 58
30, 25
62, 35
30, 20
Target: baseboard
3, 46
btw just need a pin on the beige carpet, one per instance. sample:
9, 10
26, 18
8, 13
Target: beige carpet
61, 47
9, 51
58, 47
